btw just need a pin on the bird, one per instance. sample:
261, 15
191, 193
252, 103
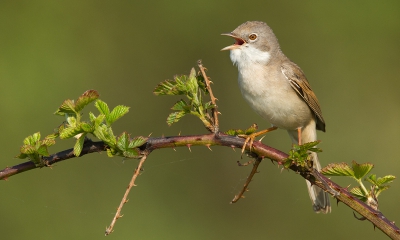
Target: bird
277, 89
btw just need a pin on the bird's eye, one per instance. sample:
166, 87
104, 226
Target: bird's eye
253, 36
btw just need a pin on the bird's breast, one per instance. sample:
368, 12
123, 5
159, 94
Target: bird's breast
269, 93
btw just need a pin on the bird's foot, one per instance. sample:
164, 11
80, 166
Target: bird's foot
250, 138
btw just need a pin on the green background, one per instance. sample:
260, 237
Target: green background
54, 50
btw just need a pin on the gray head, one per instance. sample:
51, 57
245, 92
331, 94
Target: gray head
254, 42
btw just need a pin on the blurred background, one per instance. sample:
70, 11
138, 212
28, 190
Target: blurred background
54, 50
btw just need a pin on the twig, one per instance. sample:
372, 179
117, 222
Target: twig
248, 180
214, 110
124, 199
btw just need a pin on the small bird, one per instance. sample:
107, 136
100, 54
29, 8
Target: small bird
277, 89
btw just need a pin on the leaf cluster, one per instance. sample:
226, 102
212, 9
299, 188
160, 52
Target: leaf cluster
194, 88
359, 172
300, 155
34, 148
74, 127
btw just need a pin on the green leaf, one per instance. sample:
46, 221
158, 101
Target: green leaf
172, 87
360, 170
42, 150
86, 98
70, 132
105, 134
48, 142
79, 145
137, 142
358, 192
117, 113
123, 141
99, 120
71, 121
102, 107
28, 149
175, 117
86, 127
92, 117
337, 169
380, 181
131, 153
181, 105
67, 107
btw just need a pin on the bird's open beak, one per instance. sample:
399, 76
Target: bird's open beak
238, 42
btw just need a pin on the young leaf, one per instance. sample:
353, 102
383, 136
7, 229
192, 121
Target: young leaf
380, 181
67, 107
79, 145
92, 117
137, 142
42, 150
117, 113
181, 105
28, 149
171, 87
102, 107
86, 127
86, 98
123, 141
337, 169
175, 117
357, 191
70, 132
131, 153
360, 170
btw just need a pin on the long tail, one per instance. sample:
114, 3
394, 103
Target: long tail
319, 198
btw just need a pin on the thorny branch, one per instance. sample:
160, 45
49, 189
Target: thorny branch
214, 110
259, 149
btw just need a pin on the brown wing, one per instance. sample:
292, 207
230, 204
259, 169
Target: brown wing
299, 83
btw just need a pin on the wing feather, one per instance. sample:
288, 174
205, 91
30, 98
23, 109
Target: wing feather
299, 83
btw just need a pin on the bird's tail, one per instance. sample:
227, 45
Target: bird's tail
319, 198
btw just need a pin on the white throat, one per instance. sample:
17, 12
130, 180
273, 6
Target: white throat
247, 55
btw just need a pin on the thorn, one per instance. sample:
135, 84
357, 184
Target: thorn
127, 200
188, 145
337, 202
262, 138
233, 148
208, 146
242, 196
174, 149
134, 185
216, 99
220, 113
149, 134
179, 133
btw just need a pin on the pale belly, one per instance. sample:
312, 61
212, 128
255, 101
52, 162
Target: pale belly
275, 100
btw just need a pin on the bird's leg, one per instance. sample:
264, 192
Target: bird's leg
299, 135
250, 138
